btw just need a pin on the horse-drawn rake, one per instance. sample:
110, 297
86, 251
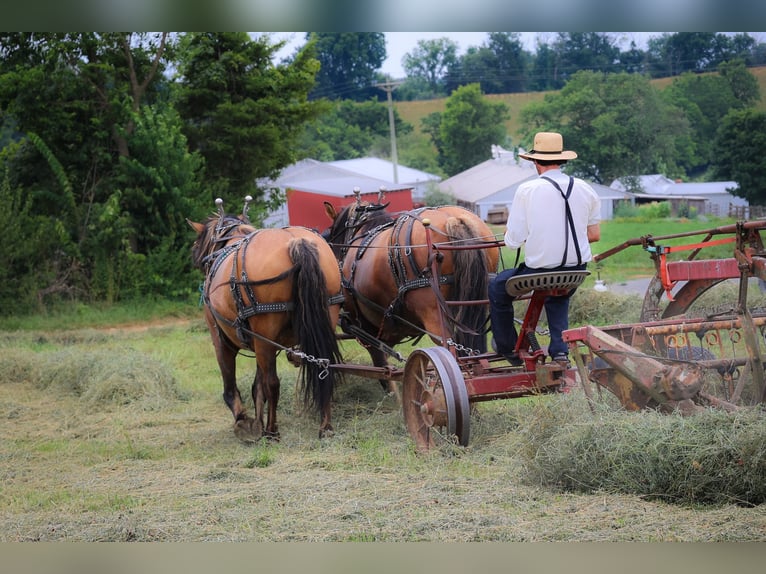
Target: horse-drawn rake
677, 358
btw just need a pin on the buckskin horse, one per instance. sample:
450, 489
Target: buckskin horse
398, 288
267, 290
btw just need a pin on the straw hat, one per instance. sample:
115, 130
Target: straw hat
548, 146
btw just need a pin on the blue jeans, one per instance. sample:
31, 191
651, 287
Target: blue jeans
501, 312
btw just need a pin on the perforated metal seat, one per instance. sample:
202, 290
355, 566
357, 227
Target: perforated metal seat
519, 285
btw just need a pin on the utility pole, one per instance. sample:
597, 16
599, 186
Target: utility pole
389, 87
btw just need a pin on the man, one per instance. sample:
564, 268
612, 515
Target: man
555, 217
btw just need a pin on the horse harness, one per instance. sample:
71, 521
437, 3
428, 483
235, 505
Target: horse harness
245, 310
398, 254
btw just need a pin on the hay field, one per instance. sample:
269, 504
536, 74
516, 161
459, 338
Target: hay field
122, 435
414, 111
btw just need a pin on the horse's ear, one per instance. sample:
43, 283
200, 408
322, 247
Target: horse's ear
330, 210
198, 227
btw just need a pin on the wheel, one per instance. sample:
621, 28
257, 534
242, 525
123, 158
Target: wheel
434, 396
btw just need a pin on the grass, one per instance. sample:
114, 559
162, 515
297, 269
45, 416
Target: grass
414, 112
116, 431
634, 262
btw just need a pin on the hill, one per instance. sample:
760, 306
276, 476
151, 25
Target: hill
413, 112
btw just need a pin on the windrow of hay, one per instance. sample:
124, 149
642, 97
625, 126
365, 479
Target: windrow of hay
118, 377
711, 457
589, 307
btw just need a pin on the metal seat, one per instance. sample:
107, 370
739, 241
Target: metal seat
519, 285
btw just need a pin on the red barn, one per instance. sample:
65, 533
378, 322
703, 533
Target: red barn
309, 183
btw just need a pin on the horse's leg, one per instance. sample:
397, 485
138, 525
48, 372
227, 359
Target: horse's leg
226, 355
389, 385
325, 425
266, 389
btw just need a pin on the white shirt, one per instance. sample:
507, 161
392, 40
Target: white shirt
537, 220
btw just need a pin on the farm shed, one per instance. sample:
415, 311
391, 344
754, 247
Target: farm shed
383, 169
712, 197
307, 184
500, 202
485, 186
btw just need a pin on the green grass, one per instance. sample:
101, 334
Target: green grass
634, 262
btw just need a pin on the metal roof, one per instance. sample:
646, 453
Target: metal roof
320, 177
383, 169
487, 179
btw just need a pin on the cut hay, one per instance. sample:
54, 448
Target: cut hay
117, 377
711, 457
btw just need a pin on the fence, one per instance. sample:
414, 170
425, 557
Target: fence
747, 211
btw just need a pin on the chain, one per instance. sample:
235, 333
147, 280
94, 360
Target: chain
324, 364
462, 348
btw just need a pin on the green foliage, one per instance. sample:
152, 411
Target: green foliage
435, 197
740, 153
348, 62
686, 210
243, 114
350, 130
430, 61
654, 210
617, 123
706, 99
35, 254
499, 65
467, 129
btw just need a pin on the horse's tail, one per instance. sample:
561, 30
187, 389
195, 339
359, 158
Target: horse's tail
471, 281
312, 324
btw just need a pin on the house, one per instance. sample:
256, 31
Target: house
712, 197
498, 204
418, 181
307, 184
485, 186
488, 188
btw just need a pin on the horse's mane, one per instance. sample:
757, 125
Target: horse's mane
217, 228
365, 216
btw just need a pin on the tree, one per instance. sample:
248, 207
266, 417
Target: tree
97, 153
740, 153
243, 114
349, 130
499, 66
674, 54
544, 74
348, 63
594, 51
430, 61
706, 99
464, 133
618, 124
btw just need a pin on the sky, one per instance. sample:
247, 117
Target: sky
400, 43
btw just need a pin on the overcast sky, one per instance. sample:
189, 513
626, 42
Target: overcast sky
400, 43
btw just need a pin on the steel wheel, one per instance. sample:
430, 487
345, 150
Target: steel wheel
435, 399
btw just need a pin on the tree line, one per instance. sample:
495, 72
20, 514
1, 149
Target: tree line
110, 141
502, 65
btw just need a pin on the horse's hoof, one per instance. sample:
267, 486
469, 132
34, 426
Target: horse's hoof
244, 431
326, 433
271, 436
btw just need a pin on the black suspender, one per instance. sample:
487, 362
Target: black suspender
569, 221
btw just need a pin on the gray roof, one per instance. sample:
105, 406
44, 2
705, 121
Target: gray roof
650, 183
487, 179
700, 188
506, 195
319, 177
383, 169
657, 184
